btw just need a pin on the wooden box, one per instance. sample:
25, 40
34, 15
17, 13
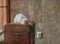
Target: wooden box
16, 34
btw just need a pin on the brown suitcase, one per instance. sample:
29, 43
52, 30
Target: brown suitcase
17, 34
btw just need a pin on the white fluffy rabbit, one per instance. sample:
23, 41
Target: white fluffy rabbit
20, 19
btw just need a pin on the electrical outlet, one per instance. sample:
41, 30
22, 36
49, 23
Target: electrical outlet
39, 35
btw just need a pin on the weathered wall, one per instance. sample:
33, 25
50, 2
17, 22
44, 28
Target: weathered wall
45, 14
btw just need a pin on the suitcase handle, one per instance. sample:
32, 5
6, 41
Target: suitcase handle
17, 34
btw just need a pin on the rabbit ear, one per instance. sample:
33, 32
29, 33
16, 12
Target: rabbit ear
23, 21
